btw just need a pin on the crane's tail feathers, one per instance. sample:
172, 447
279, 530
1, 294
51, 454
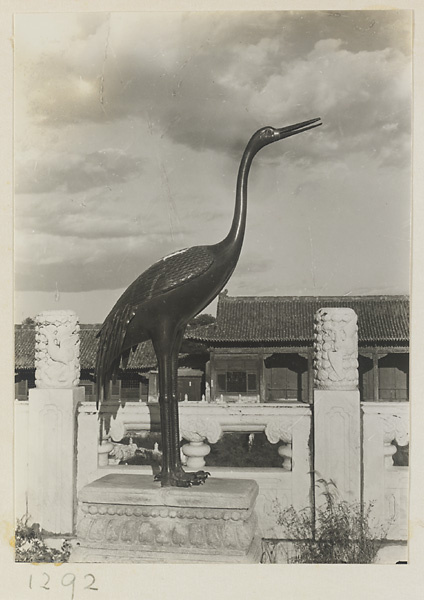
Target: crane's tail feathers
111, 337
125, 358
100, 393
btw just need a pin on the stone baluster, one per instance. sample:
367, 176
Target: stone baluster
277, 430
104, 448
389, 450
195, 453
117, 430
396, 428
196, 431
285, 451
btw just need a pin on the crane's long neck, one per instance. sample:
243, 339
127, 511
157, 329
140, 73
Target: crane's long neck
235, 236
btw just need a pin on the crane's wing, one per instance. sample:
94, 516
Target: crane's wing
167, 274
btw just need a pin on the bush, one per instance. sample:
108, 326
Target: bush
30, 546
339, 532
234, 450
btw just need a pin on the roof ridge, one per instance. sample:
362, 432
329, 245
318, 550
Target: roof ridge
377, 297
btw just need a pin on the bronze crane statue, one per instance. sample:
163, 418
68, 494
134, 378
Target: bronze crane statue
160, 302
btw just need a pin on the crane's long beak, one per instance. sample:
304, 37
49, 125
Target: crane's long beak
285, 132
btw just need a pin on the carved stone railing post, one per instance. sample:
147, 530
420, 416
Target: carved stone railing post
196, 430
88, 440
57, 349
386, 486
337, 442
52, 421
336, 349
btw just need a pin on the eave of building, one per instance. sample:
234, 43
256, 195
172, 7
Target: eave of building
288, 320
141, 361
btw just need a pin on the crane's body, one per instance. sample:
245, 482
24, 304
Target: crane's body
160, 302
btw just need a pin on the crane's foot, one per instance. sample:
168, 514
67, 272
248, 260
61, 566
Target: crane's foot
180, 478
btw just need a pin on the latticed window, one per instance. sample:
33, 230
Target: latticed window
115, 388
237, 376
24, 382
393, 372
286, 378
237, 382
90, 389
366, 378
130, 388
21, 389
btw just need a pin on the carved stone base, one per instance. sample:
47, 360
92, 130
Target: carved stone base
130, 518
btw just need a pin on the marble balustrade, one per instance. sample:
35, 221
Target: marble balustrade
384, 484
288, 426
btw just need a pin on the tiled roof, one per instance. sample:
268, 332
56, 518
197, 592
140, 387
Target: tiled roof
24, 347
143, 358
290, 319
250, 319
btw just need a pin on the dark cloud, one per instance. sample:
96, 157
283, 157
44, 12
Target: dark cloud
89, 218
116, 265
194, 87
75, 174
229, 73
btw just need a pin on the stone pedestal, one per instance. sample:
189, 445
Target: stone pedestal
131, 519
51, 461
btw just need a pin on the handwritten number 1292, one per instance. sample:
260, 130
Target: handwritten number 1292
68, 580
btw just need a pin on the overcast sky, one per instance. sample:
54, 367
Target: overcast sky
129, 129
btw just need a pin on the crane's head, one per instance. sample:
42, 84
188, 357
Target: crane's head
268, 135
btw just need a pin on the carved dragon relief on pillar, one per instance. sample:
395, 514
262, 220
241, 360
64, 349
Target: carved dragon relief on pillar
336, 349
57, 349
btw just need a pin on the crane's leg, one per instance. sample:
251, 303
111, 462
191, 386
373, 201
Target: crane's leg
165, 374
166, 348
192, 478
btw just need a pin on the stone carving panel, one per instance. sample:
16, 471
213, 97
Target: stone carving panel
151, 528
197, 429
396, 427
336, 349
57, 349
279, 429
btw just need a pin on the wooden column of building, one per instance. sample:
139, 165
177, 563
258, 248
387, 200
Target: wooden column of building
262, 381
375, 374
311, 375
